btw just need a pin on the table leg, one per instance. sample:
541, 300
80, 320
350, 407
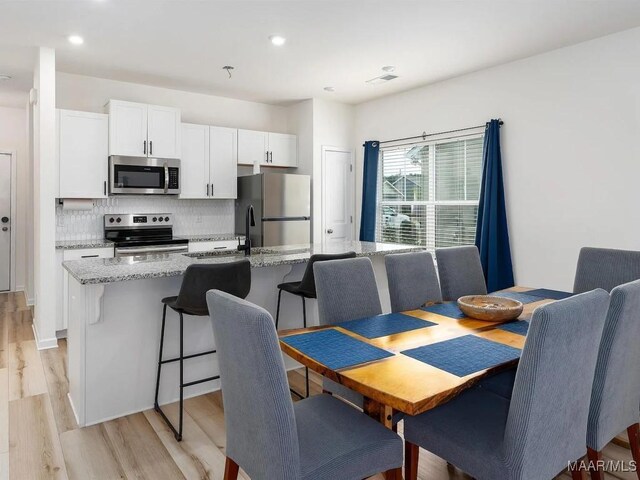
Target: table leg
384, 415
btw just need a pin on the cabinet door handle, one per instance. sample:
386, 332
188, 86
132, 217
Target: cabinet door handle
207, 189
144, 147
271, 157
104, 186
212, 189
267, 156
89, 256
150, 147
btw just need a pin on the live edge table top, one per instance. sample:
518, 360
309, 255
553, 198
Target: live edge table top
405, 384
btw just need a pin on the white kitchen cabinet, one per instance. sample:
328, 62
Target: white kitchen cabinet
163, 131
62, 320
82, 154
194, 164
223, 164
252, 146
283, 150
209, 165
270, 149
213, 245
141, 130
127, 128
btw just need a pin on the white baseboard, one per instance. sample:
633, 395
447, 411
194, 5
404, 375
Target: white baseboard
73, 408
43, 343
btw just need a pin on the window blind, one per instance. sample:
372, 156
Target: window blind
428, 192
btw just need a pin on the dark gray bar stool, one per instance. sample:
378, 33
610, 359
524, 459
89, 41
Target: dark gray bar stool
306, 288
233, 278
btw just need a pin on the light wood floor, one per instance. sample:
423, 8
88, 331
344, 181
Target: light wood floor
40, 440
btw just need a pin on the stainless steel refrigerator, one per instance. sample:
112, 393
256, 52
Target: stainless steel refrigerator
282, 208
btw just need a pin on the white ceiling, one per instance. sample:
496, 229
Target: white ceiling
183, 44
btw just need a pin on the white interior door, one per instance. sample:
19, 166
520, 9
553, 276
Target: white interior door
5, 222
337, 192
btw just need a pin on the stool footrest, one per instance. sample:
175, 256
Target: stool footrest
193, 355
196, 382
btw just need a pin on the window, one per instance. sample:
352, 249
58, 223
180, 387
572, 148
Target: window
428, 192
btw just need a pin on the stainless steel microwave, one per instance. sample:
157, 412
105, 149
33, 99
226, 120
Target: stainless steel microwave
143, 176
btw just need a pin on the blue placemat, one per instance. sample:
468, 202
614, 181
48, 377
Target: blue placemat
524, 297
553, 294
464, 355
383, 325
335, 349
521, 327
449, 309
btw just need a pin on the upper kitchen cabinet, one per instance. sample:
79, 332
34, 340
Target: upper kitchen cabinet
194, 163
283, 150
209, 162
270, 149
141, 130
82, 154
223, 163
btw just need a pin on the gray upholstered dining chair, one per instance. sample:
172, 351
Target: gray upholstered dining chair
460, 272
412, 280
605, 268
543, 426
267, 434
346, 290
616, 388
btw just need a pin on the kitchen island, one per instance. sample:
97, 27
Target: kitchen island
115, 312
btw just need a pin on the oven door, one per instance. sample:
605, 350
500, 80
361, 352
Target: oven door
143, 176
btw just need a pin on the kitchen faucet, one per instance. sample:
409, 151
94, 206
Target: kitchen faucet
250, 222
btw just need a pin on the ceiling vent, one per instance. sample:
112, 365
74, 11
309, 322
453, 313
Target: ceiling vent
381, 79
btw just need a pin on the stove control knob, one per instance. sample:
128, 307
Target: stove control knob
166, 219
155, 219
118, 219
160, 219
111, 220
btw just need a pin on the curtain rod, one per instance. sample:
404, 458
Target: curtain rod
425, 134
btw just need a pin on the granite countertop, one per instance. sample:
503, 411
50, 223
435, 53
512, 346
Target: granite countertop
93, 271
77, 244
101, 243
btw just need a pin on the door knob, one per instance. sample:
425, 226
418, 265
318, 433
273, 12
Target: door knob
330, 231
5, 219
4, 229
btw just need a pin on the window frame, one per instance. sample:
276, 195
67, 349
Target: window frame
431, 204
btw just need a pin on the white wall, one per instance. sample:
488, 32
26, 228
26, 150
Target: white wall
570, 144
77, 92
13, 138
332, 127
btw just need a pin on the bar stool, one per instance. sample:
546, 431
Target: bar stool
306, 288
233, 278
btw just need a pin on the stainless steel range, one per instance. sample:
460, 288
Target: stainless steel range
143, 234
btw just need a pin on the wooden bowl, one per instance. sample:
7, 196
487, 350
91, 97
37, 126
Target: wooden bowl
490, 308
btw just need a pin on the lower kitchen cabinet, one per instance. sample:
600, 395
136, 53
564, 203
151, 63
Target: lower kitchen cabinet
210, 246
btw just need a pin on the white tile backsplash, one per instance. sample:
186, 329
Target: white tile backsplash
191, 217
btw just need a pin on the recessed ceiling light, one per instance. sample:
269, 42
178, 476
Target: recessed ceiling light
75, 39
330, 89
389, 68
4, 77
277, 40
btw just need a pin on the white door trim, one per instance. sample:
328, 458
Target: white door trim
14, 209
325, 149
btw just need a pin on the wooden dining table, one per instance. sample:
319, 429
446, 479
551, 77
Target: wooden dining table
400, 383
